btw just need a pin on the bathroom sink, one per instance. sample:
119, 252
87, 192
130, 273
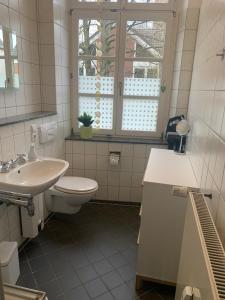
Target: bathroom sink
33, 177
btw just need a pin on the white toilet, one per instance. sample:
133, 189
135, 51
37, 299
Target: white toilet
70, 193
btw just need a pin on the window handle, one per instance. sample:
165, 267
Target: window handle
120, 88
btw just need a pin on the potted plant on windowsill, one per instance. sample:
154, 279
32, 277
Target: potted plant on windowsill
86, 129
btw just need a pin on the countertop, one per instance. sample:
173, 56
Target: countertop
168, 167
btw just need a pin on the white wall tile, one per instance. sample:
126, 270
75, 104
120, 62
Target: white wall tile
137, 179
90, 162
78, 161
139, 165
90, 148
102, 162
126, 163
127, 150
102, 178
115, 147
113, 178
102, 149
102, 193
125, 179
206, 107
113, 193
140, 150
124, 194
78, 147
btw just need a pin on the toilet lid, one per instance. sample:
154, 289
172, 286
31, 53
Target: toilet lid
71, 184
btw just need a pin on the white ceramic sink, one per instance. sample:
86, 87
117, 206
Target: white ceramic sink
33, 177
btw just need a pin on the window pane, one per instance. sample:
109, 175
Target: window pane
1, 43
140, 115
148, 1
145, 39
13, 44
100, 108
97, 37
2, 73
15, 72
96, 76
142, 78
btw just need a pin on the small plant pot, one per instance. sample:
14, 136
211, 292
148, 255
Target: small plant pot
86, 132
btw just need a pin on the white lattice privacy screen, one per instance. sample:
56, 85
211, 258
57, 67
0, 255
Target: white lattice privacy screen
140, 115
88, 105
142, 87
87, 85
147, 1
132, 86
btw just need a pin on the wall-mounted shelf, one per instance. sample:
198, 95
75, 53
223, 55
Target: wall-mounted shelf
26, 117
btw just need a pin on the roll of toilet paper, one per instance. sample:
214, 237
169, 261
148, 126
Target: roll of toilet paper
114, 159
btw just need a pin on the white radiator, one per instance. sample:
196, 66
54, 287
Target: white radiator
201, 272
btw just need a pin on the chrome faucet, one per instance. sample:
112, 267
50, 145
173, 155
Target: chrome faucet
20, 160
6, 166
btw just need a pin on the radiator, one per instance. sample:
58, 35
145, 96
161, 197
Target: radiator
201, 274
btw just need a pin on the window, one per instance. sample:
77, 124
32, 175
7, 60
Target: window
9, 65
119, 64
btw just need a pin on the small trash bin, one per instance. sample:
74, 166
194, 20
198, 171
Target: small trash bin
9, 261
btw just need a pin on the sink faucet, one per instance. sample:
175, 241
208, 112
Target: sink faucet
6, 166
20, 160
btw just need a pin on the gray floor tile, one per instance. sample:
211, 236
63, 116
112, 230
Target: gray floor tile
52, 288
112, 279
86, 274
95, 288
102, 267
38, 263
117, 260
77, 294
88, 255
106, 296
44, 275
69, 281
122, 292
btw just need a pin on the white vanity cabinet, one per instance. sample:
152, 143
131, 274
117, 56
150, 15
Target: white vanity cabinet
162, 216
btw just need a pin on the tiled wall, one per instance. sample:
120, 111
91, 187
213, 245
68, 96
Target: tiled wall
52, 85
207, 109
188, 13
116, 183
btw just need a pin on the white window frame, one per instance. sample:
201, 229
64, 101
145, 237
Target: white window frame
171, 5
97, 11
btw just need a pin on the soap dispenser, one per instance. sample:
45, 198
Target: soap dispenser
32, 155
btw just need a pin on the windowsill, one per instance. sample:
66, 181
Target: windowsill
25, 117
114, 139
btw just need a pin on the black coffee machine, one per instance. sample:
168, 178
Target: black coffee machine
172, 138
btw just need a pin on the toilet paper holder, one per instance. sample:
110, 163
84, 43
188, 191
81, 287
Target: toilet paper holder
118, 153
114, 158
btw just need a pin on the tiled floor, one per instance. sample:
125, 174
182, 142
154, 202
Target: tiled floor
91, 255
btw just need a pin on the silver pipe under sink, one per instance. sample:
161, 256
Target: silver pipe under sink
18, 199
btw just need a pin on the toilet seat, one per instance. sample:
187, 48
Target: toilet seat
76, 185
